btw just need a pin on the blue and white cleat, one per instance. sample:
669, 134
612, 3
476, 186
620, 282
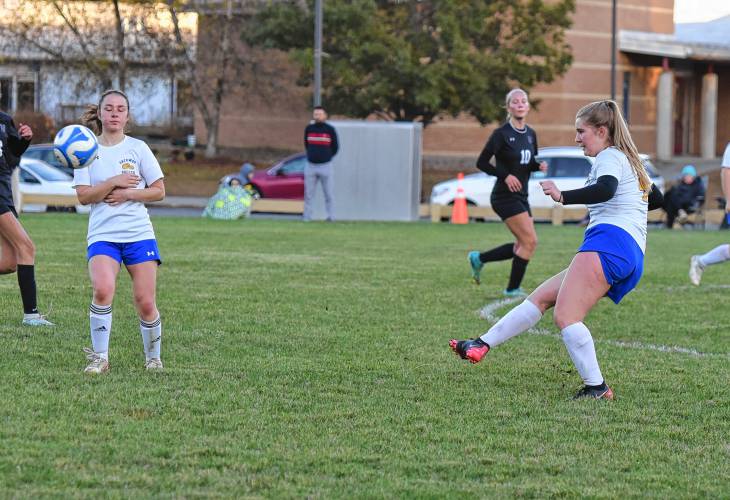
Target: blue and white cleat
476, 266
36, 320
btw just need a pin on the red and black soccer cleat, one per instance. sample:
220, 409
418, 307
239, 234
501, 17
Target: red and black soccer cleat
594, 393
473, 349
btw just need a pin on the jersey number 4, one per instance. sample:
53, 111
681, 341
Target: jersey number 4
525, 156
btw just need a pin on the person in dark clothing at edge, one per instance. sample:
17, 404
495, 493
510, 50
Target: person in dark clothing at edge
17, 252
320, 141
684, 198
514, 146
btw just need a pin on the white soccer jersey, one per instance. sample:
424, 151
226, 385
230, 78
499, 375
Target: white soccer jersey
128, 221
628, 207
726, 157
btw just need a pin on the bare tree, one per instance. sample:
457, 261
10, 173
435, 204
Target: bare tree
106, 39
72, 33
208, 82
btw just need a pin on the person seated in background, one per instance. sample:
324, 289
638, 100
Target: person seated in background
242, 178
686, 197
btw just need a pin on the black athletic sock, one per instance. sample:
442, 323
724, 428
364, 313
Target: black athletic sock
504, 252
519, 266
600, 387
26, 281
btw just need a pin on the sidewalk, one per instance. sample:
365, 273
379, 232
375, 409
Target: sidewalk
182, 202
263, 205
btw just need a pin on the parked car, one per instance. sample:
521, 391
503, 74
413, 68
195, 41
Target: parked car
568, 167
44, 152
284, 179
38, 177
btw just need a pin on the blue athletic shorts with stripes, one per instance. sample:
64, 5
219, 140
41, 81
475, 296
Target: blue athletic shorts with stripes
131, 253
621, 258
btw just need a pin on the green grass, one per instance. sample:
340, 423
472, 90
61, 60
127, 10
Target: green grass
312, 360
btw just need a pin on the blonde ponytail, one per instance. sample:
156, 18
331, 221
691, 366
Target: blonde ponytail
607, 114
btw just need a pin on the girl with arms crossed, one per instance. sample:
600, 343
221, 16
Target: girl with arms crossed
610, 261
124, 176
514, 147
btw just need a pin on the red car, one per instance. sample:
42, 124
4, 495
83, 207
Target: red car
285, 179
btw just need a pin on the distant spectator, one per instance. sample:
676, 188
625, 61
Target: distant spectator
246, 173
320, 140
684, 198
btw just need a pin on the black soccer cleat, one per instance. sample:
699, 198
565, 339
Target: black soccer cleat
473, 349
594, 393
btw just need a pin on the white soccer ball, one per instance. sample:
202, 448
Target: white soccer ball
75, 146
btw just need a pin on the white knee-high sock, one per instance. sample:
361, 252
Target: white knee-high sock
521, 318
580, 346
151, 337
100, 321
716, 255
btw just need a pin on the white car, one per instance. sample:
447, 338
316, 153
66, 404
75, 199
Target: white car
38, 177
568, 167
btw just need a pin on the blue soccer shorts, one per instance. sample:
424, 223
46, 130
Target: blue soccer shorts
621, 258
131, 253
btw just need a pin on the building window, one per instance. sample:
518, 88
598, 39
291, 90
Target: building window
26, 96
6, 94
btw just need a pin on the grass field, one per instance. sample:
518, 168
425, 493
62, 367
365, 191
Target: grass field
312, 360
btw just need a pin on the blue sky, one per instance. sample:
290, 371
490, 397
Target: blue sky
698, 11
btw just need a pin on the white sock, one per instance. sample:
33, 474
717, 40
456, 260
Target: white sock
580, 346
716, 255
100, 321
521, 318
151, 337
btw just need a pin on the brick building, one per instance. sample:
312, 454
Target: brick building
662, 83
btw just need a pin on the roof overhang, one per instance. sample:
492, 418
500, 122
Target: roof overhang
663, 45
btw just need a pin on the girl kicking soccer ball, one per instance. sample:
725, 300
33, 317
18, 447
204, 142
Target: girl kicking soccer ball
124, 176
610, 260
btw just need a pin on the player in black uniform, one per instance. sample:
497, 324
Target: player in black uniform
514, 146
17, 252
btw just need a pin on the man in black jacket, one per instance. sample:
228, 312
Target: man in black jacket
684, 198
320, 141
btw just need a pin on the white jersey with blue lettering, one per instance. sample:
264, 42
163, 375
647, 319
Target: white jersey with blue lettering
628, 207
128, 221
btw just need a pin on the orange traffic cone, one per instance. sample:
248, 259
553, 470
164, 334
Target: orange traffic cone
459, 214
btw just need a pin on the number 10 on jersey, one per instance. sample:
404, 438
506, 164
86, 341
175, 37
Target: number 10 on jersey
525, 156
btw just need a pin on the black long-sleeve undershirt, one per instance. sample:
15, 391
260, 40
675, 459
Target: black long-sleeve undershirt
656, 198
603, 190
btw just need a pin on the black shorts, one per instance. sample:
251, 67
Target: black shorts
8, 208
507, 207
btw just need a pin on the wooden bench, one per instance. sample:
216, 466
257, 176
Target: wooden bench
556, 215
